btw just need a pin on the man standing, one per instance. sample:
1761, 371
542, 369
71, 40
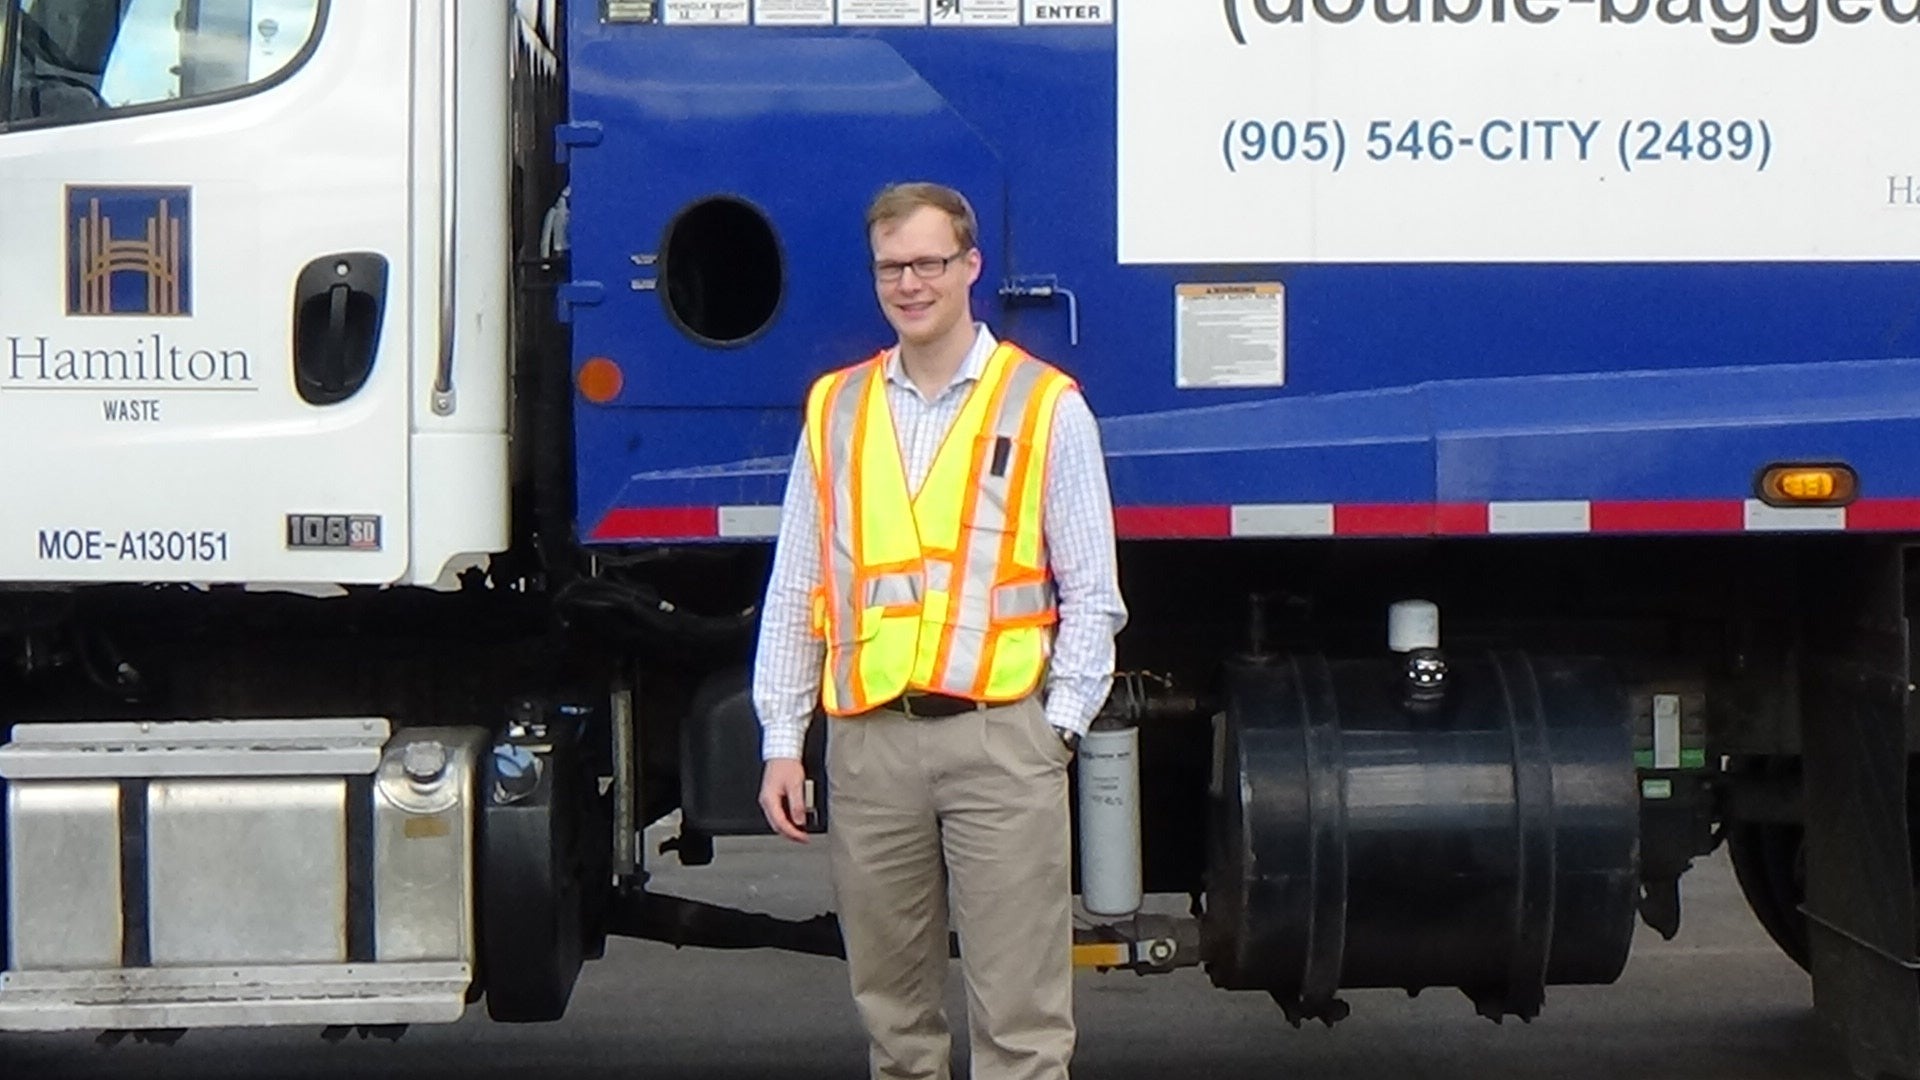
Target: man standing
945, 563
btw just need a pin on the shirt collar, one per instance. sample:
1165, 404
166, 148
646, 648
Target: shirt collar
971, 369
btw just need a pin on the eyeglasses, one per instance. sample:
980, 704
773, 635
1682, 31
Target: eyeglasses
926, 269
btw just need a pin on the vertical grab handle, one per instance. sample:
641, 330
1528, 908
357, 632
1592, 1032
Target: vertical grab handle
443, 397
332, 365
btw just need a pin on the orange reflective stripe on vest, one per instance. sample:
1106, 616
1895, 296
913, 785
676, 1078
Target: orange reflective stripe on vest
945, 590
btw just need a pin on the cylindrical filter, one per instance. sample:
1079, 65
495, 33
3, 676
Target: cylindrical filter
1110, 876
1413, 624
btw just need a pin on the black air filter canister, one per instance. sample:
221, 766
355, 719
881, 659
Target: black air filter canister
1361, 838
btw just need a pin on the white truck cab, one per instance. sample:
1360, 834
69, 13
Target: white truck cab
251, 313
254, 325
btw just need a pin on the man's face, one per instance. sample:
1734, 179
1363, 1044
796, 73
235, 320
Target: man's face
926, 309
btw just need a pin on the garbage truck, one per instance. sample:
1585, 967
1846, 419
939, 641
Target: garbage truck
1510, 408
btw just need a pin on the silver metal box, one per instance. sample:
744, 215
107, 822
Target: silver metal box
63, 874
199, 872
247, 871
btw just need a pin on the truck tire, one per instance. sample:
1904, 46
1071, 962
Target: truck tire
1769, 864
1769, 861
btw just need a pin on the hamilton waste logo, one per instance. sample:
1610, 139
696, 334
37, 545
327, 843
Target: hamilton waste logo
129, 251
129, 254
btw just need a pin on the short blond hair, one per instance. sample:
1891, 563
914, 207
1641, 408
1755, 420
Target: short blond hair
898, 201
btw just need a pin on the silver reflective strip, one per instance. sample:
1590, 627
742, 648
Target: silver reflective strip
1013, 408
974, 608
1021, 383
968, 649
887, 590
1019, 601
843, 413
939, 575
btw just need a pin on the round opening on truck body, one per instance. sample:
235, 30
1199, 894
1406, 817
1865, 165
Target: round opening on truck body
721, 271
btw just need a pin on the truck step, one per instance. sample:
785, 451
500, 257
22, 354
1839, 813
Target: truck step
323, 994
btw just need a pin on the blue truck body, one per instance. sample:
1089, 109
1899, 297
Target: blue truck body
1419, 398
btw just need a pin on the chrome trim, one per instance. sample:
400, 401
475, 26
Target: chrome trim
443, 397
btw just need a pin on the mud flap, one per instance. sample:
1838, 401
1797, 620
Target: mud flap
1860, 894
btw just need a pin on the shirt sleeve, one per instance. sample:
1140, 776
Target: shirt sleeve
787, 662
1078, 522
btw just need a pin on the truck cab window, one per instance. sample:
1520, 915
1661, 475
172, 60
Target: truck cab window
77, 60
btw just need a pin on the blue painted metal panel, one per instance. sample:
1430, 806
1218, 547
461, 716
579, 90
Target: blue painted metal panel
1406, 383
1675, 434
804, 129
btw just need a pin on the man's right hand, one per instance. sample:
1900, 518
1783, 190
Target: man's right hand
783, 797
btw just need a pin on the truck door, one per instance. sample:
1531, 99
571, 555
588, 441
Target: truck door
204, 341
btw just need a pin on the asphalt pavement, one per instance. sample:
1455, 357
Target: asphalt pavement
1717, 1003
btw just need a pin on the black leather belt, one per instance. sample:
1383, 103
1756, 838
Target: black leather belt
932, 706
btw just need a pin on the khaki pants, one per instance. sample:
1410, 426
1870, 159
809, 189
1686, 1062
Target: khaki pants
975, 804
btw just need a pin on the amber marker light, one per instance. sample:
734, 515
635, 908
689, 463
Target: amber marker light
1808, 485
599, 380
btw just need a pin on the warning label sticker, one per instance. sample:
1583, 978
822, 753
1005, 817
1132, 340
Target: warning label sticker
793, 12
706, 12
883, 12
976, 12
1230, 335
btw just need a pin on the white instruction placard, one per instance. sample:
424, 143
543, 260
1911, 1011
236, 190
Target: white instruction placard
793, 12
1069, 12
1299, 131
883, 12
1230, 335
976, 12
706, 12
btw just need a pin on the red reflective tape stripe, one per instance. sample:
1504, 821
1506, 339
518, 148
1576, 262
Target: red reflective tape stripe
1884, 514
1349, 519
659, 523
1382, 519
1460, 519
1670, 515
1172, 522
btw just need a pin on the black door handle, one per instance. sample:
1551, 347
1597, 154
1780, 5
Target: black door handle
338, 304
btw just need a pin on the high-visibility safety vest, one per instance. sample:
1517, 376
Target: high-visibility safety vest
944, 590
